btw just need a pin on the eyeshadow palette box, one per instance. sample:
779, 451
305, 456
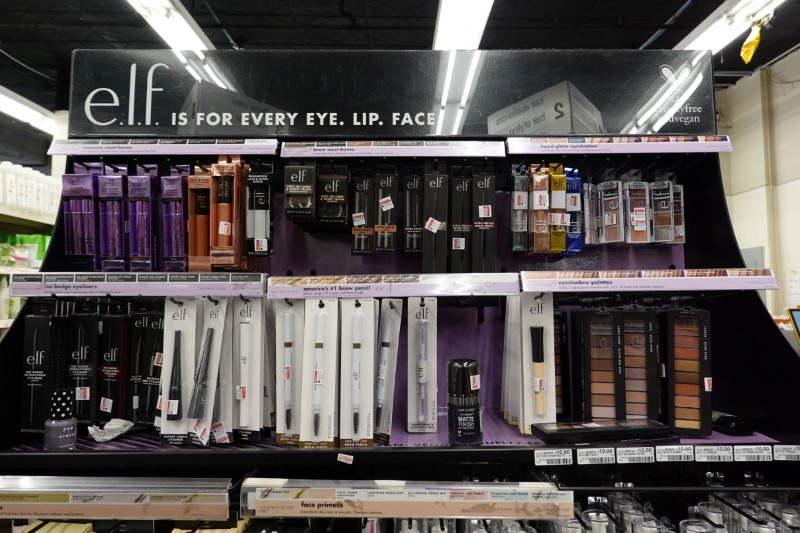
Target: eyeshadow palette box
596, 344
639, 352
602, 431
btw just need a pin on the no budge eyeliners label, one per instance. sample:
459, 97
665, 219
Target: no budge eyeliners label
562, 456
596, 456
713, 454
786, 452
642, 454
753, 452
668, 454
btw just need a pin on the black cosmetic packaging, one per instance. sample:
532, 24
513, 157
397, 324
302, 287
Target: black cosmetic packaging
464, 411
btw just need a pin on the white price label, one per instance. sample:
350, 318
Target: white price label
241, 392
558, 219
541, 200
640, 454
679, 230
596, 456
459, 243
753, 452
713, 454
359, 219
220, 434
520, 200
484, 211
386, 203
224, 228
135, 402
573, 202
106, 404
433, 225
200, 429
159, 359
261, 245
552, 457
786, 452
318, 376
671, 454
639, 219
83, 393
173, 407
539, 384
287, 372
610, 219
475, 382
382, 371
159, 403
707, 384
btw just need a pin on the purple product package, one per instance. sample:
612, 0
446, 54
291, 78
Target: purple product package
142, 230
79, 197
111, 209
173, 224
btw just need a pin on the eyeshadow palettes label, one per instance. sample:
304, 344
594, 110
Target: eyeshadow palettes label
754, 452
596, 456
641, 454
555, 457
786, 452
713, 454
669, 454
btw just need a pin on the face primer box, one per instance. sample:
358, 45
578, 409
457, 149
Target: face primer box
434, 218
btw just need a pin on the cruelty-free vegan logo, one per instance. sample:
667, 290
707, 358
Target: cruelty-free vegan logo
675, 79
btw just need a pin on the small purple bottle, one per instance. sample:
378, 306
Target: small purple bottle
61, 429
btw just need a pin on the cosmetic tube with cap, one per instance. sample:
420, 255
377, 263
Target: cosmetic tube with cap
464, 412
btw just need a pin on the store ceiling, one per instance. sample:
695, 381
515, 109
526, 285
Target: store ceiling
38, 36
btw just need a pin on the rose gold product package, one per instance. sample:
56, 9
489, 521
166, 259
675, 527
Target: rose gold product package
637, 209
611, 227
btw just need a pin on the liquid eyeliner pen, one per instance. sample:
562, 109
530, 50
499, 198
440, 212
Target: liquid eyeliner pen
197, 405
244, 360
383, 357
174, 396
319, 367
288, 354
422, 371
355, 389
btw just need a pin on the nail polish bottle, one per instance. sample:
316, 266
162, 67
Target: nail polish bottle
464, 411
61, 429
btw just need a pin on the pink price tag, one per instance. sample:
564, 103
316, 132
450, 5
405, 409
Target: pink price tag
82, 393
106, 404
475, 382
317, 376
159, 359
287, 372
459, 243
539, 385
433, 225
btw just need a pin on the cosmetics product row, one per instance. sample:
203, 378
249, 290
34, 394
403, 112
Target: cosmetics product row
28, 191
320, 372
554, 212
447, 213
606, 373
198, 219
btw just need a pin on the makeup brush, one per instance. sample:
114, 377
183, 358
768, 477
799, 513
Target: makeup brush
537, 358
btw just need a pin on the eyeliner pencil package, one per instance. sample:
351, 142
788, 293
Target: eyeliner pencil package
289, 347
434, 217
484, 232
42, 359
111, 206
412, 209
422, 365
387, 209
357, 336
173, 224
333, 184
79, 200
364, 205
259, 208
113, 366
460, 227
391, 317
83, 349
142, 223
248, 376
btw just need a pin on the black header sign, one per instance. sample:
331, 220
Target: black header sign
390, 93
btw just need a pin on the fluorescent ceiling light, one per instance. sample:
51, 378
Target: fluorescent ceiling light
460, 24
729, 21
448, 77
175, 25
458, 120
23, 109
470, 75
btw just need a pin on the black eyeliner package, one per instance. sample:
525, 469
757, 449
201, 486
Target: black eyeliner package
82, 350
112, 395
333, 186
147, 329
412, 209
460, 228
387, 208
362, 199
299, 187
434, 217
484, 232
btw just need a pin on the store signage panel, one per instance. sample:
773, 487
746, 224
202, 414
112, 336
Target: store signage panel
398, 94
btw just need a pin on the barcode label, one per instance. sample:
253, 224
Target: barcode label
713, 454
596, 456
562, 456
671, 454
642, 454
786, 452
758, 452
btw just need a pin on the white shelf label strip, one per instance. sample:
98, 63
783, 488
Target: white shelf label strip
684, 280
553, 457
620, 144
786, 452
753, 452
394, 149
675, 453
713, 454
163, 146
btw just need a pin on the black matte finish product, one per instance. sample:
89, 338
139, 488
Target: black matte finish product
464, 411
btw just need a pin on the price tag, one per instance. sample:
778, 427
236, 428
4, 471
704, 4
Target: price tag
172, 407
159, 359
241, 392
475, 382
713, 454
596, 456
287, 372
224, 228
640, 454
539, 385
318, 376
707, 383
200, 429
83, 393
573, 202
484, 211
541, 200
433, 225
610, 219
558, 219
382, 371
639, 219
386, 203
159, 402
359, 219
754, 452
135, 402
105, 404
220, 435
671, 454
786, 452
553, 457
261, 245
459, 243
344, 458
679, 230
520, 200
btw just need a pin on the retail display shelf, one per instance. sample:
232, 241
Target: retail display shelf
150, 146
383, 148
141, 284
620, 144
5, 324
648, 280
14, 216
394, 285
267, 497
56, 497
